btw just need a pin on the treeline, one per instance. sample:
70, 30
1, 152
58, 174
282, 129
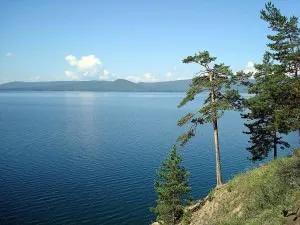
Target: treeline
273, 109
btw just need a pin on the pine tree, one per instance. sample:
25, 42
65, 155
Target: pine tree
284, 49
275, 108
171, 186
267, 117
285, 46
211, 80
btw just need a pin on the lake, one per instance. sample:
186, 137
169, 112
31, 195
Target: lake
90, 158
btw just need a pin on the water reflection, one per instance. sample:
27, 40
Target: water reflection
80, 115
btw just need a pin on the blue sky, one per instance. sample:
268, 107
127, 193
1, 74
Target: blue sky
137, 40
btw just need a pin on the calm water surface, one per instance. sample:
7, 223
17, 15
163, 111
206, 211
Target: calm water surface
90, 158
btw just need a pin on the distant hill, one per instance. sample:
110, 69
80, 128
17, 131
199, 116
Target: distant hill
101, 86
117, 85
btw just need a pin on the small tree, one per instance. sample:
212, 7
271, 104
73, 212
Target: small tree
212, 80
171, 186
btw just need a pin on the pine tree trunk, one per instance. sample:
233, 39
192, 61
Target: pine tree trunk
173, 217
275, 146
218, 161
216, 138
173, 206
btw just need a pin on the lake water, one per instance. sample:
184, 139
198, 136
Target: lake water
90, 158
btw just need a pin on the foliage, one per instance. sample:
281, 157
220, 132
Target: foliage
267, 116
285, 41
275, 108
214, 80
171, 186
223, 100
284, 50
186, 219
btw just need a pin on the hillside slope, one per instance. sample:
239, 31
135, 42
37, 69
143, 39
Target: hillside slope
269, 194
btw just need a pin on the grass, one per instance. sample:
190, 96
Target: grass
260, 196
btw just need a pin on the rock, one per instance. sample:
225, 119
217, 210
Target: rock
195, 207
155, 223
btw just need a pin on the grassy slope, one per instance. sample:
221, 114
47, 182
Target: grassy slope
256, 197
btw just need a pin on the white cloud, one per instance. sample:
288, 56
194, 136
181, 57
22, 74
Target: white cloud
106, 75
71, 59
147, 77
183, 78
168, 75
173, 74
250, 68
88, 65
9, 54
105, 72
71, 75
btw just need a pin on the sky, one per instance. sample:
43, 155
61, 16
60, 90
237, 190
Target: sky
42, 40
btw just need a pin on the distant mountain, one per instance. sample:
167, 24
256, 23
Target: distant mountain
117, 85
170, 86
101, 86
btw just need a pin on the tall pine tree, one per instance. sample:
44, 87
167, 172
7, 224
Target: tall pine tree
275, 108
284, 49
266, 117
171, 186
211, 80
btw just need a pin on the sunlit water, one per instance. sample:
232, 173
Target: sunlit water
90, 158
